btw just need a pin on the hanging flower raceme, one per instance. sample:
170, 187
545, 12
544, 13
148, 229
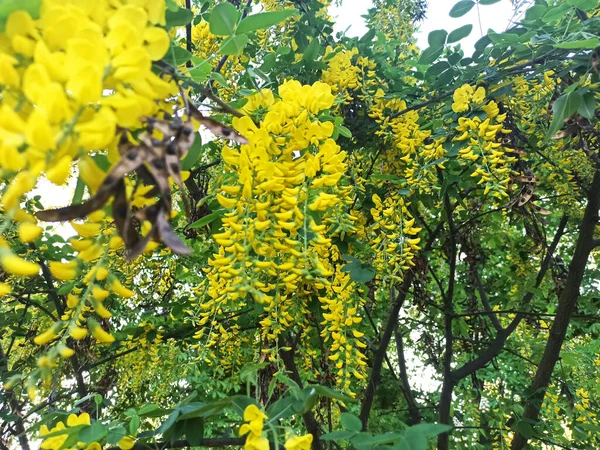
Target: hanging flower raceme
483, 148
284, 198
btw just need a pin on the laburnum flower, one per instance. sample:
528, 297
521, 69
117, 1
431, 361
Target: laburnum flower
299, 442
5, 289
56, 442
16, 265
461, 98
126, 443
255, 418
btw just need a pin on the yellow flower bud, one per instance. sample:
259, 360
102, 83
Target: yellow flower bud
72, 301
63, 271
77, 333
29, 232
45, 337
100, 335
59, 173
121, 290
18, 266
5, 289
99, 294
65, 351
126, 443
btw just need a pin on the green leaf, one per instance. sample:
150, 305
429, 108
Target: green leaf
461, 8
223, 19
152, 410
588, 44
589, 427
177, 55
569, 359
339, 435
586, 5
194, 431
524, 428
178, 18
200, 72
66, 288
115, 435
134, 424
362, 274
555, 13
588, 106
79, 190
430, 54
415, 437
172, 6
564, 107
312, 51
437, 68
216, 76
350, 422
324, 391
264, 20
460, 33
535, 12
488, 2
8, 6
187, 163
207, 219
94, 433
437, 38
234, 45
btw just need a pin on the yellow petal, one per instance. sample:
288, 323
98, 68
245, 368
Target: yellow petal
18, 266
29, 232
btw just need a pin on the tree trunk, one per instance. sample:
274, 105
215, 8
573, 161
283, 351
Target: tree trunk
566, 306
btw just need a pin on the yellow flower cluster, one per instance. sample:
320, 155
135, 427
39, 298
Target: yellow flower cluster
254, 431
341, 304
70, 77
348, 73
393, 237
284, 200
484, 149
466, 95
56, 442
409, 158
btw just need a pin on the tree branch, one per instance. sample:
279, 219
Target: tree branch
498, 343
386, 336
310, 422
413, 407
567, 303
448, 382
484, 300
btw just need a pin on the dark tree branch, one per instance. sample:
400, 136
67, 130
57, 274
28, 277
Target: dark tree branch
15, 408
30, 302
448, 382
567, 303
381, 351
413, 408
498, 343
310, 422
58, 304
484, 300
388, 331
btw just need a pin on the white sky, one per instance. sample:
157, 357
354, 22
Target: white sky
495, 16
